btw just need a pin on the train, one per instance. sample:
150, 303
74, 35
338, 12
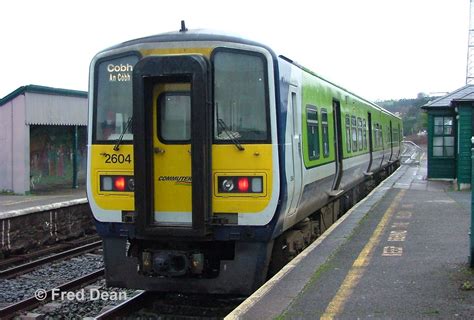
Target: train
212, 160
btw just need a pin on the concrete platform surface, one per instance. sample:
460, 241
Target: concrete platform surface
11, 205
401, 253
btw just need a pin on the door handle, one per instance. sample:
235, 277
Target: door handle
158, 150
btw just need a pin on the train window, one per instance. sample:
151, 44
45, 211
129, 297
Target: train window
364, 132
324, 126
359, 133
240, 97
312, 125
354, 133
400, 135
389, 136
395, 137
381, 136
376, 135
348, 133
113, 107
174, 114
443, 138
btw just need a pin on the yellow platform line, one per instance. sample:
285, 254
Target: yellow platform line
358, 268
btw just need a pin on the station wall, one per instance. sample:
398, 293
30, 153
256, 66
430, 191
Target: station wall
14, 147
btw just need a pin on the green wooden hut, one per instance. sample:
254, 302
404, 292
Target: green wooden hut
450, 123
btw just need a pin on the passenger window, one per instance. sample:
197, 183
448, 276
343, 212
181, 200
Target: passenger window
354, 133
364, 132
376, 135
324, 126
359, 135
312, 125
348, 133
395, 137
381, 136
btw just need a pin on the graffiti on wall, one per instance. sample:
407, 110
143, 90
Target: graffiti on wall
51, 156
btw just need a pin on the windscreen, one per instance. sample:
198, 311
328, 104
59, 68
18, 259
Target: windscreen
113, 104
240, 97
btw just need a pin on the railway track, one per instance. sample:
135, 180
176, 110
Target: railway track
16, 259
40, 297
18, 275
28, 266
150, 305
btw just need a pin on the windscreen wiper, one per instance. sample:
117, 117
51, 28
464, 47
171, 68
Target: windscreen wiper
119, 140
230, 134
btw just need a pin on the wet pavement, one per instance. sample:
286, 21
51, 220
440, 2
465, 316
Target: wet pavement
400, 254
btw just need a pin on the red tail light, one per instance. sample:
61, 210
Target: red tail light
119, 183
243, 184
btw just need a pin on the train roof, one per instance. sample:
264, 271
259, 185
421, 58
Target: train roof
338, 86
219, 36
193, 35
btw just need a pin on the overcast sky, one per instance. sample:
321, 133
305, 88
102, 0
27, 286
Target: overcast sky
379, 49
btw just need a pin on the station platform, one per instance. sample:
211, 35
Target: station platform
401, 253
11, 205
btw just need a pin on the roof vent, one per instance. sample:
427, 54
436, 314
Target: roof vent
183, 27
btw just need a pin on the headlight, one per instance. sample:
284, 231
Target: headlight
227, 185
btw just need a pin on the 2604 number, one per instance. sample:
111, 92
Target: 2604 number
117, 158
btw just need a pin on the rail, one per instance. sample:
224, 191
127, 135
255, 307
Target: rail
10, 311
155, 305
16, 270
125, 308
411, 153
16, 259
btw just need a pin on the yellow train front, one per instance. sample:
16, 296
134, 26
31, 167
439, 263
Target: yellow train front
183, 191
204, 148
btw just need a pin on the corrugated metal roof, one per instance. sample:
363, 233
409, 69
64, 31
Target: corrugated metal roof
41, 89
46, 109
445, 102
51, 106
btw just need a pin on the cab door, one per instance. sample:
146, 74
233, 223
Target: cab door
172, 154
172, 142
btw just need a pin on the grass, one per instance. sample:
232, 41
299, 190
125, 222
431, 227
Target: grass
467, 286
431, 312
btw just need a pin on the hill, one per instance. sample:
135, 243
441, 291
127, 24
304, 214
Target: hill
415, 120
